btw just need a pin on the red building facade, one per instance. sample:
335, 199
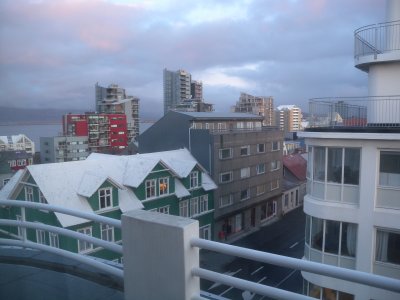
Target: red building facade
106, 132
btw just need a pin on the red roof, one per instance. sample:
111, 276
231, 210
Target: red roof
296, 164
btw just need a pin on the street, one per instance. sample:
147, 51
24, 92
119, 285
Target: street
284, 237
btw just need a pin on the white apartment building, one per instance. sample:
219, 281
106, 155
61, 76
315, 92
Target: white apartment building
17, 142
288, 118
353, 176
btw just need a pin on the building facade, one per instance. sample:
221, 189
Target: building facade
169, 182
288, 118
106, 133
63, 148
353, 189
113, 100
243, 158
262, 106
177, 87
17, 143
11, 162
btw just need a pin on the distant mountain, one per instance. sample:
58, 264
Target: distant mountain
11, 115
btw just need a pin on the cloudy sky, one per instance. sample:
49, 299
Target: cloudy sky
52, 52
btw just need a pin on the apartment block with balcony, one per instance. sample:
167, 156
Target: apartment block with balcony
352, 202
171, 182
17, 143
113, 100
288, 118
243, 157
261, 106
107, 133
63, 148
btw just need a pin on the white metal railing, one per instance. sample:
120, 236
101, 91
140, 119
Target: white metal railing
23, 224
378, 111
377, 38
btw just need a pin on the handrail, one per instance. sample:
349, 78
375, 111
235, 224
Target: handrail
77, 235
374, 280
63, 210
88, 260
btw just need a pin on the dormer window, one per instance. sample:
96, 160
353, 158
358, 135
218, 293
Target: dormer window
194, 179
105, 198
150, 188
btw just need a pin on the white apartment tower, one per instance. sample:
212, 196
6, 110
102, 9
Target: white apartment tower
288, 118
177, 87
258, 105
112, 100
353, 177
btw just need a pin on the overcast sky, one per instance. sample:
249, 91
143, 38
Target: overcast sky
52, 52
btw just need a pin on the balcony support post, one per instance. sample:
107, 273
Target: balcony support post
158, 257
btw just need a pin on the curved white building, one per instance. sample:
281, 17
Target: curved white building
353, 177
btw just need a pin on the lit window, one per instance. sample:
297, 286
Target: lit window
150, 188
83, 245
163, 186
105, 198
107, 232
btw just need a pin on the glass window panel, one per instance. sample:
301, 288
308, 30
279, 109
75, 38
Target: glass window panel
335, 165
328, 294
332, 230
349, 239
389, 168
345, 296
388, 247
316, 233
319, 163
309, 164
307, 235
314, 291
351, 165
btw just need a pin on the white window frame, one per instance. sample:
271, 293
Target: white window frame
164, 209
260, 168
194, 206
247, 150
224, 149
275, 146
184, 208
42, 199
228, 203
247, 194
54, 240
194, 179
262, 150
106, 197
260, 189
84, 246
225, 173
40, 236
203, 203
274, 184
29, 194
203, 229
20, 229
245, 172
161, 182
150, 188
107, 232
275, 165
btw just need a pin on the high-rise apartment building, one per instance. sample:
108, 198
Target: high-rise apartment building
107, 133
196, 89
63, 148
262, 106
113, 100
288, 118
353, 177
177, 87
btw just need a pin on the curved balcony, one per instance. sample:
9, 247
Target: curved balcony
376, 43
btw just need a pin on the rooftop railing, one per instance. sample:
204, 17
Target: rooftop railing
382, 111
376, 39
161, 256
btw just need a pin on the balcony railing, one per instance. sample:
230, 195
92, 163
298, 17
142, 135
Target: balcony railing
376, 39
161, 256
355, 112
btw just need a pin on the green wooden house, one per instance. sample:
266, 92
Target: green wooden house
170, 182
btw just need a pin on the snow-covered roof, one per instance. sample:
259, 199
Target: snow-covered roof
68, 184
15, 139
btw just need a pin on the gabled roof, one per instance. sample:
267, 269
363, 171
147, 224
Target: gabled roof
68, 184
296, 164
